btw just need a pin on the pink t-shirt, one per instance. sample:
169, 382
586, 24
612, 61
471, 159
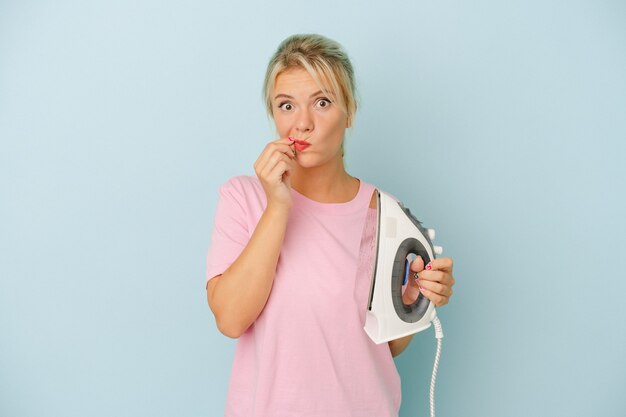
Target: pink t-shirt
307, 354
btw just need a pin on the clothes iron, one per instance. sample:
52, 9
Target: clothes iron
392, 238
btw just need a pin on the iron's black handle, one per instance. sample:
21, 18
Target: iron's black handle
413, 312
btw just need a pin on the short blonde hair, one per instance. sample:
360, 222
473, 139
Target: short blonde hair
324, 59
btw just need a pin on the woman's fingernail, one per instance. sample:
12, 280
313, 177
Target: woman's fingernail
291, 139
429, 266
422, 289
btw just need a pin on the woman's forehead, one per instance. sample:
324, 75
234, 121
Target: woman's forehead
298, 81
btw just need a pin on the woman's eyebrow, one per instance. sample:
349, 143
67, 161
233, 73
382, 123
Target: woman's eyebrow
288, 96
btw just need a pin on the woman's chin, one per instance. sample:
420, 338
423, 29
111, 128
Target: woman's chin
308, 161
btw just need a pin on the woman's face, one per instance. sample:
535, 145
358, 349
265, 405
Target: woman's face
302, 111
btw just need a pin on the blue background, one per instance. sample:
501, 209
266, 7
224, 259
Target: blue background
501, 124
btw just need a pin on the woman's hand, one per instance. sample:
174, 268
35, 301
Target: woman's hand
435, 281
273, 168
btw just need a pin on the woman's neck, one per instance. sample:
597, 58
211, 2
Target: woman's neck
325, 184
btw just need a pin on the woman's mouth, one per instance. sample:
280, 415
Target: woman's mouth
300, 144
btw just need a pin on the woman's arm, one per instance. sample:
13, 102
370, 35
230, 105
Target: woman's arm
238, 296
397, 346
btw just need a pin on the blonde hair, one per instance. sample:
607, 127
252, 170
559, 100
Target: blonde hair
324, 59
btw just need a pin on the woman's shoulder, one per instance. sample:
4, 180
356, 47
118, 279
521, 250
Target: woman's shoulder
240, 186
373, 186
242, 182
365, 187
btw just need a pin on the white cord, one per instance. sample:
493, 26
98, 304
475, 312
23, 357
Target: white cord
439, 336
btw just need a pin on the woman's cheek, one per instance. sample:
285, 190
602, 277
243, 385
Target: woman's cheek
282, 126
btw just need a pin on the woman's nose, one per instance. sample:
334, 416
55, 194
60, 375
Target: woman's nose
304, 123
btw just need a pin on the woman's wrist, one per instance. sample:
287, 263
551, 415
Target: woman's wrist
278, 209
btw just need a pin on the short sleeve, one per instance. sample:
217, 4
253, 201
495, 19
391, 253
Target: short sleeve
230, 231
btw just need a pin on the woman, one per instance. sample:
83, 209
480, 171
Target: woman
282, 266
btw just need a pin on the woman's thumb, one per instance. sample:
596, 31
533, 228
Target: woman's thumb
418, 264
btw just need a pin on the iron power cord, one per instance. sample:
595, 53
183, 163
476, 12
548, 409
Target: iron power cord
438, 336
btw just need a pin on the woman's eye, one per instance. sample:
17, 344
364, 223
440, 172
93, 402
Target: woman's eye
323, 103
285, 106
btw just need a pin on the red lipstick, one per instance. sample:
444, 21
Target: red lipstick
300, 144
